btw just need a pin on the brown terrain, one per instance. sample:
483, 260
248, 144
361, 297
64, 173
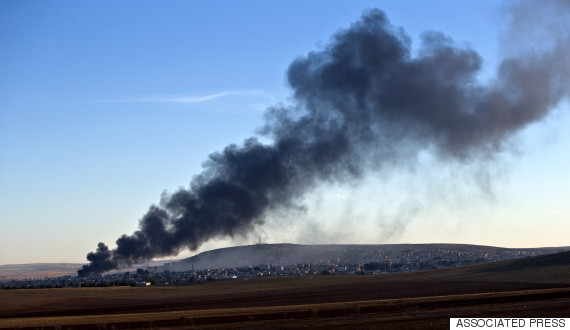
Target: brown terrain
20, 272
51, 270
532, 287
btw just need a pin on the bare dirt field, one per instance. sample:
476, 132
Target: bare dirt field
284, 302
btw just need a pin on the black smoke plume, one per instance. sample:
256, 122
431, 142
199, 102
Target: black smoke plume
362, 103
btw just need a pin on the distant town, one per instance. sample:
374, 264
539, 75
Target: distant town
332, 260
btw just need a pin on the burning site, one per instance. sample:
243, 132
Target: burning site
284, 164
363, 102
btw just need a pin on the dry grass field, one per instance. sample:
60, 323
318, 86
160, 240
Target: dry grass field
413, 300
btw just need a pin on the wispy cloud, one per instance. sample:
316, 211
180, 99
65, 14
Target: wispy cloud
192, 98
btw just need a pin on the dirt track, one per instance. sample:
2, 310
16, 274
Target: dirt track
327, 301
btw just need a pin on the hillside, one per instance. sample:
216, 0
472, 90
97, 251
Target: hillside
551, 268
292, 254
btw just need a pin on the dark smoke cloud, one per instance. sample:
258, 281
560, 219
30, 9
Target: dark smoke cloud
362, 103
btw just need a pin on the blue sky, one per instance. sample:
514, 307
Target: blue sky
106, 104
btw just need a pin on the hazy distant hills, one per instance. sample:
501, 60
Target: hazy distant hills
291, 254
40, 270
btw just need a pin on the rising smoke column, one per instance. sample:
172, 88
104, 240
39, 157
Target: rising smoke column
362, 103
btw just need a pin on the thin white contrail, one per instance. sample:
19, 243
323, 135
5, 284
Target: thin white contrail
189, 98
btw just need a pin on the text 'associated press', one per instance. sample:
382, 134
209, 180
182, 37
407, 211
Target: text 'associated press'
509, 323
